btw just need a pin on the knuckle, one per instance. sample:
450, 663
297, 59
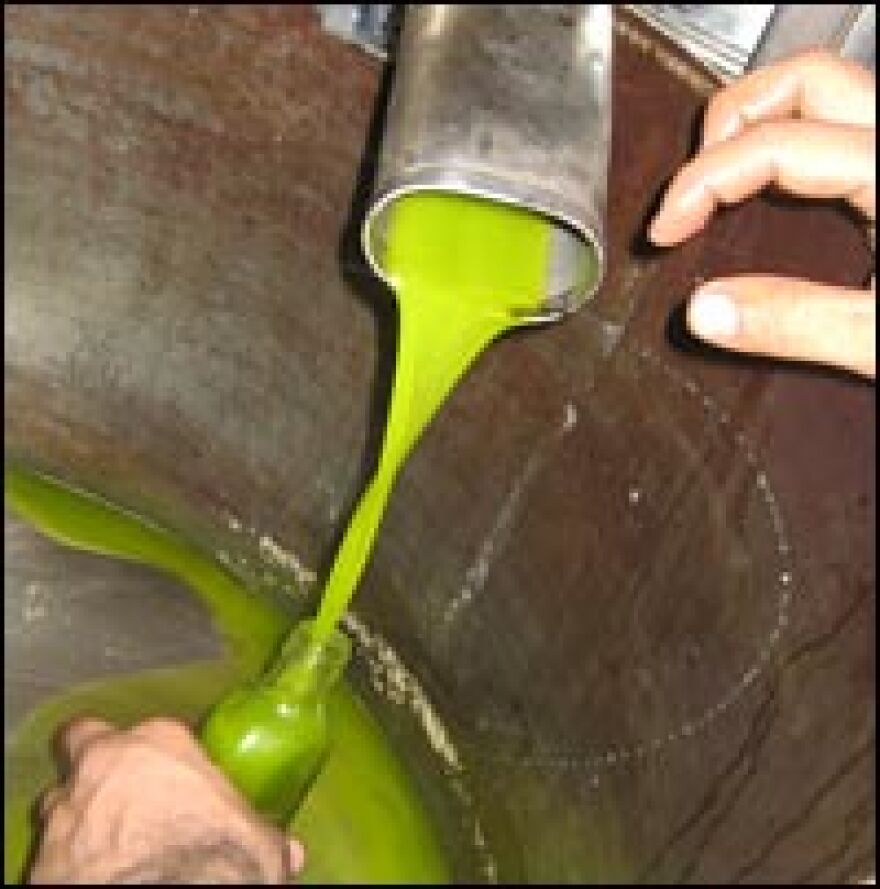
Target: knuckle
94, 758
162, 728
83, 724
80, 729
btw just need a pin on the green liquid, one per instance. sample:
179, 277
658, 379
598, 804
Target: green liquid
362, 821
464, 270
271, 737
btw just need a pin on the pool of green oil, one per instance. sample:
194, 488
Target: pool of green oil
362, 822
464, 271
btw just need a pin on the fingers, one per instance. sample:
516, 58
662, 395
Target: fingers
73, 742
748, 144
816, 85
77, 735
84, 746
174, 738
788, 318
150, 786
808, 159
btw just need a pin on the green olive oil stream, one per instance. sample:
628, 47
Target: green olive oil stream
464, 271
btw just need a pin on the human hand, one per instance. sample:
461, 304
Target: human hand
806, 125
147, 805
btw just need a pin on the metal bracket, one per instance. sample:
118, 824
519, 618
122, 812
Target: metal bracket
849, 29
370, 26
731, 38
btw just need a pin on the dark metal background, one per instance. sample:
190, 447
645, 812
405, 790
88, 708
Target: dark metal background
577, 560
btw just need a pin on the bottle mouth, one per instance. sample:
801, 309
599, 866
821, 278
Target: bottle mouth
309, 665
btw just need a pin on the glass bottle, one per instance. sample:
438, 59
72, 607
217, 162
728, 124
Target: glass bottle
271, 737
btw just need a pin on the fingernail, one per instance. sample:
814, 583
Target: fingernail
713, 315
296, 856
655, 229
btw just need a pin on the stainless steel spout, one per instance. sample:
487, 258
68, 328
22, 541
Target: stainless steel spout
510, 103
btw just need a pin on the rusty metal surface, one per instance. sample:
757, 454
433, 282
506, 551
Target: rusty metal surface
511, 103
181, 335
128, 617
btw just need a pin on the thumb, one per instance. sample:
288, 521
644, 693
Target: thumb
788, 318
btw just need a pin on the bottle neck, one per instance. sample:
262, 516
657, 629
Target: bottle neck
307, 668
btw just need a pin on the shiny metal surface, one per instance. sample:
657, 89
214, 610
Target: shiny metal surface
847, 28
721, 36
512, 103
728, 39
367, 25
582, 555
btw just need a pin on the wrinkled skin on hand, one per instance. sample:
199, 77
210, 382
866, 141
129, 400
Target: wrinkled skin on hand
807, 126
147, 805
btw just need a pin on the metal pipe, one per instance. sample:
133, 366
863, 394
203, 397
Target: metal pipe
510, 103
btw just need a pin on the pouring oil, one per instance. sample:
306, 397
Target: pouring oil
464, 270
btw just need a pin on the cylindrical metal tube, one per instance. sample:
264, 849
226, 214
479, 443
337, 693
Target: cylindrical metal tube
510, 103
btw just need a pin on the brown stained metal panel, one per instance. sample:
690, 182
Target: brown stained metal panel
578, 560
